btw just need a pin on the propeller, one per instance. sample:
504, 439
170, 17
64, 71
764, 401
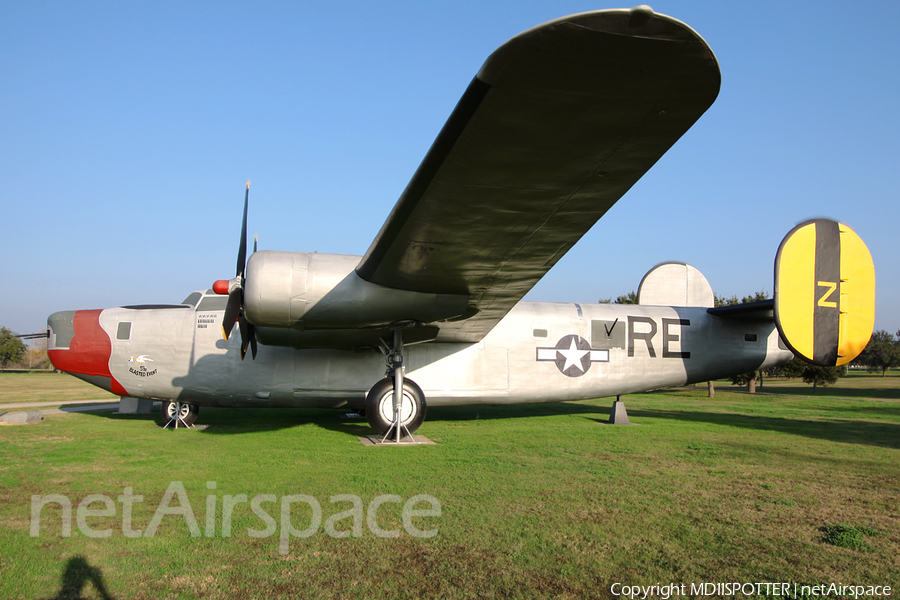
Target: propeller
234, 288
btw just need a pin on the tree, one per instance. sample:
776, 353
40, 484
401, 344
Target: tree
881, 353
729, 301
792, 369
757, 297
797, 367
724, 301
36, 356
11, 347
629, 298
825, 376
748, 379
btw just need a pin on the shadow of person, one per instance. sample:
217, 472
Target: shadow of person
77, 574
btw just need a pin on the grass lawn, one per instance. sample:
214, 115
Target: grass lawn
16, 388
537, 501
856, 384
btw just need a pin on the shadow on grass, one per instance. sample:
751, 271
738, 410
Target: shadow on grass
224, 421
234, 420
849, 431
77, 574
516, 411
229, 420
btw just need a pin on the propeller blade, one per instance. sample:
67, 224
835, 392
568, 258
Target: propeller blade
232, 311
242, 248
245, 334
248, 336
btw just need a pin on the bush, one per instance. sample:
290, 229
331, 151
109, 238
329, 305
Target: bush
846, 536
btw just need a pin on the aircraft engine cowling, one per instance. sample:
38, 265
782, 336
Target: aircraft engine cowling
315, 291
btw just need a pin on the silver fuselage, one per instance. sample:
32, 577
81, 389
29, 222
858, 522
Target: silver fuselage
539, 352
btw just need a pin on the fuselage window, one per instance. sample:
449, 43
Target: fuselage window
124, 331
749, 337
540, 333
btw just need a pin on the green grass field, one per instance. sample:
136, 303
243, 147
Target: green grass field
21, 388
537, 501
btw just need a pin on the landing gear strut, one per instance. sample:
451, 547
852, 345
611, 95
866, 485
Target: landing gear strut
395, 404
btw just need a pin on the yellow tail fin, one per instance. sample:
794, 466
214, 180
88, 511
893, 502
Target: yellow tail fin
824, 292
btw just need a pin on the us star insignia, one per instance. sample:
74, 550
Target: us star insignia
573, 355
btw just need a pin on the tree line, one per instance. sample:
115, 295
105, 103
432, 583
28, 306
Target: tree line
881, 353
14, 354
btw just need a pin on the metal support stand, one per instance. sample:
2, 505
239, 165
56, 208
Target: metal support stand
395, 365
173, 423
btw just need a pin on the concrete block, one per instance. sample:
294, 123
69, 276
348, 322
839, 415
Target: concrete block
135, 406
618, 415
31, 416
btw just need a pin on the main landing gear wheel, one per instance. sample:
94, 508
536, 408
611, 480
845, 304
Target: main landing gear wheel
380, 406
178, 414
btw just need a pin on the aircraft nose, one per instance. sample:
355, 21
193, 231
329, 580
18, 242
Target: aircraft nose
79, 345
61, 329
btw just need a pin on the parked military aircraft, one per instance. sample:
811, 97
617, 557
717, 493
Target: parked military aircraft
557, 125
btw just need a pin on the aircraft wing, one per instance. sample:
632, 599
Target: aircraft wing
557, 125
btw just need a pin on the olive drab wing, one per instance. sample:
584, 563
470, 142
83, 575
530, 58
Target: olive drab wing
558, 124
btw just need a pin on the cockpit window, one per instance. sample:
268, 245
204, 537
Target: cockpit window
192, 299
213, 303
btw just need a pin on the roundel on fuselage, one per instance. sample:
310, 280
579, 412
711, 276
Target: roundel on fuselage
824, 292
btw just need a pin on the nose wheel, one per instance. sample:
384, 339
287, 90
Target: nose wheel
178, 414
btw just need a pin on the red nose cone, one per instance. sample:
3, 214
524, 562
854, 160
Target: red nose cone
87, 347
221, 287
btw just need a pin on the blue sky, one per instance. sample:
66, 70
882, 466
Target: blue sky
129, 129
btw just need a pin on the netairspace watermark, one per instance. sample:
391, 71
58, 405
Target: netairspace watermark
418, 506
748, 589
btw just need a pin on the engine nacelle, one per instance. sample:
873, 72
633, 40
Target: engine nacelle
315, 291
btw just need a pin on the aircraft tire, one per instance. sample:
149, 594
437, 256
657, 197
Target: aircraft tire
169, 408
380, 406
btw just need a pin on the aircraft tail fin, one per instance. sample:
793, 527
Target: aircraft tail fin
675, 284
824, 292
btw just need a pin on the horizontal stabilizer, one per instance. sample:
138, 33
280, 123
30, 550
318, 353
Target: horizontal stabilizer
761, 309
824, 292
